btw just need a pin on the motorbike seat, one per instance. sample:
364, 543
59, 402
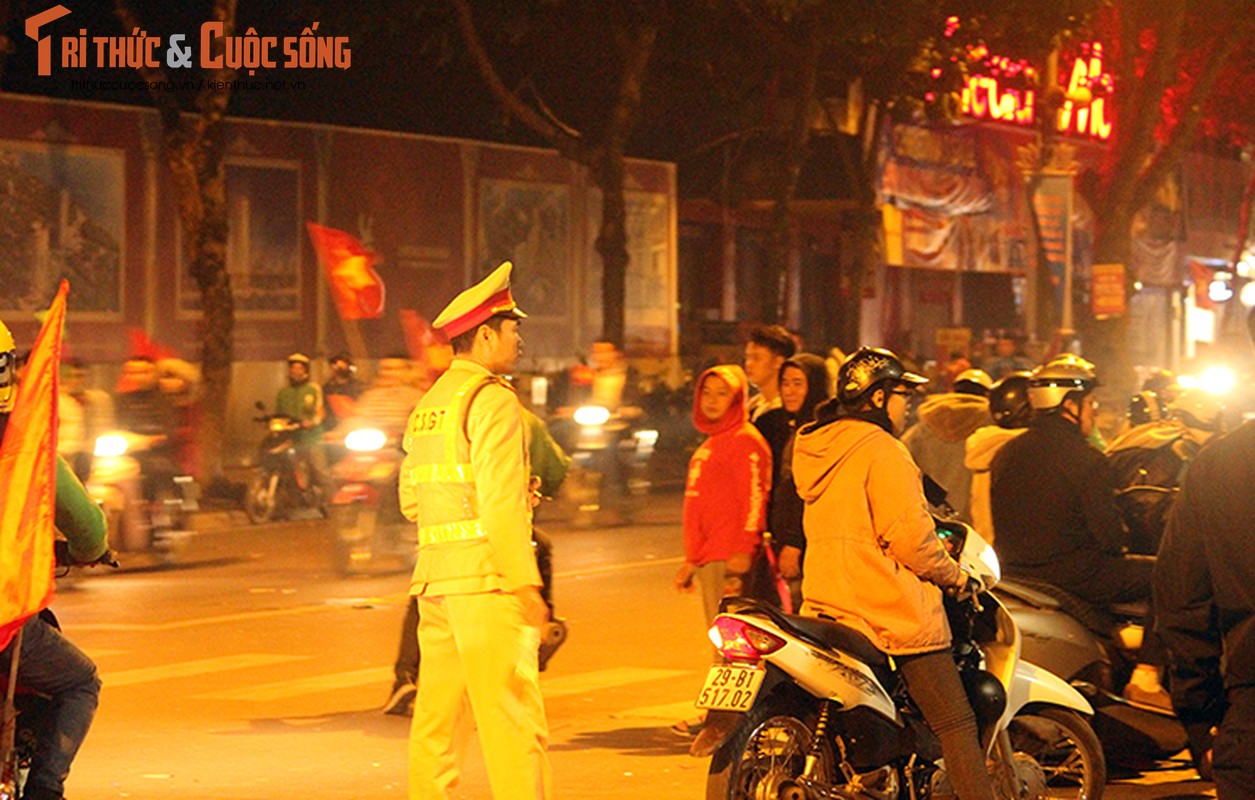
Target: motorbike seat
1099, 619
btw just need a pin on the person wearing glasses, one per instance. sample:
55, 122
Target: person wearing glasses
873, 559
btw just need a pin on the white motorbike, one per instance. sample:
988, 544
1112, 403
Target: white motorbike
808, 709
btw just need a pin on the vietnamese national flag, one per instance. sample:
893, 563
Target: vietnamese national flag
28, 481
355, 286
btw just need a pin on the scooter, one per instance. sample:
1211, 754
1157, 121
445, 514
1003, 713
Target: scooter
160, 524
1095, 650
365, 509
283, 481
808, 709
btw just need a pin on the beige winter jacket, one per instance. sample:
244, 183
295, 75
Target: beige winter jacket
873, 559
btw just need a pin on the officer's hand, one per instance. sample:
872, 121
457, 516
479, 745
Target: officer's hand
535, 612
790, 563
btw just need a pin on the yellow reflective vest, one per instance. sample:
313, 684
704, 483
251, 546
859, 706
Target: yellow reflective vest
464, 482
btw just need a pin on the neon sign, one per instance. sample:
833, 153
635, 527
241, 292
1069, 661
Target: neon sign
990, 94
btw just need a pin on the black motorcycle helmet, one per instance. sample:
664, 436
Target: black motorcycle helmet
1144, 407
867, 369
1008, 401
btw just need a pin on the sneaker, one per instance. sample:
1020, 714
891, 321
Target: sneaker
401, 701
689, 727
1157, 699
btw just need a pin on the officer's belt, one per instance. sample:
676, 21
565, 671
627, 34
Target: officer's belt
442, 473
451, 532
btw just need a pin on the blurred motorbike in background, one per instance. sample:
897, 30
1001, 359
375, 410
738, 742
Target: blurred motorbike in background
611, 451
148, 505
284, 480
365, 509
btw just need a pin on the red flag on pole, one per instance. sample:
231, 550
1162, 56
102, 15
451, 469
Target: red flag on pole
28, 481
355, 286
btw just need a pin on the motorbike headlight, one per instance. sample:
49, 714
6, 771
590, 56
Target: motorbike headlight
365, 440
278, 424
110, 446
592, 416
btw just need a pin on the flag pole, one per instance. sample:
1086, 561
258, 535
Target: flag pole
8, 736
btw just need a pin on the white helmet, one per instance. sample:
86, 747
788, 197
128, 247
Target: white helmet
1058, 379
1198, 409
977, 380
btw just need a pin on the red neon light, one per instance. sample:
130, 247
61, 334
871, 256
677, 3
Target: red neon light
985, 97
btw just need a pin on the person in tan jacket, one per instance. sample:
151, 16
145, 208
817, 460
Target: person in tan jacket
873, 559
464, 482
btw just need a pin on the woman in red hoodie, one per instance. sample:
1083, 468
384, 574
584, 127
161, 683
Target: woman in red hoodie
725, 497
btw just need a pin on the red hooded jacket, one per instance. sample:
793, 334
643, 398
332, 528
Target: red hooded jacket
729, 479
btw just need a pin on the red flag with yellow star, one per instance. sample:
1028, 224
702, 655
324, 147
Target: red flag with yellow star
355, 286
28, 481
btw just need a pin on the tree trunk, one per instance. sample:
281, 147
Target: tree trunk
218, 319
611, 245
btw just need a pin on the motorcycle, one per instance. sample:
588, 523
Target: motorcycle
1095, 650
808, 709
284, 480
612, 454
31, 709
365, 509
161, 523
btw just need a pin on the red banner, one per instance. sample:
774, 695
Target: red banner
28, 481
357, 289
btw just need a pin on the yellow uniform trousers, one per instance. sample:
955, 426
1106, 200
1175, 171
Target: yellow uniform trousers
476, 648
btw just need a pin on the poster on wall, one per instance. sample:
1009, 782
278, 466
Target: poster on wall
263, 242
61, 216
529, 224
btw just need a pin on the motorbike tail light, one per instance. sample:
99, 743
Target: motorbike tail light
365, 440
737, 640
110, 446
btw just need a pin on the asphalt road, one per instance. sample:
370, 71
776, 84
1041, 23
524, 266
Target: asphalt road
252, 672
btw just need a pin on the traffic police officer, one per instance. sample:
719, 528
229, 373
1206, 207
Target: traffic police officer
465, 482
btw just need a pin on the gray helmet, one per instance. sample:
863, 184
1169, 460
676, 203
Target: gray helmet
1058, 379
1008, 401
867, 368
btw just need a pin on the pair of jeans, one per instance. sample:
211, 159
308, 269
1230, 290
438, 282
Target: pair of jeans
933, 682
52, 665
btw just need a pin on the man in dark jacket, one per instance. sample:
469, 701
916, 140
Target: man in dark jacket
1205, 602
1053, 502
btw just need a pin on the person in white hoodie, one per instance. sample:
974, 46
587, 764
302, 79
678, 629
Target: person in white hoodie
937, 441
1008, 405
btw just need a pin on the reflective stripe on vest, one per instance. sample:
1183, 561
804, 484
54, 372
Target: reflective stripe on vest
450, 532
440, 457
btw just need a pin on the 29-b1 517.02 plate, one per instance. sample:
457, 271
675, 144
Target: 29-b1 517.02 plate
730, 687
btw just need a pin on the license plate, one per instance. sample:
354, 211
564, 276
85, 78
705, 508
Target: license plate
730, 687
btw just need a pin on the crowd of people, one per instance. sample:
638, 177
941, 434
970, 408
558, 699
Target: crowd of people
1019, 454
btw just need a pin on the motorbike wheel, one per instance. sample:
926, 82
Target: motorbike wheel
1066, 748
765, 755
260, 502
